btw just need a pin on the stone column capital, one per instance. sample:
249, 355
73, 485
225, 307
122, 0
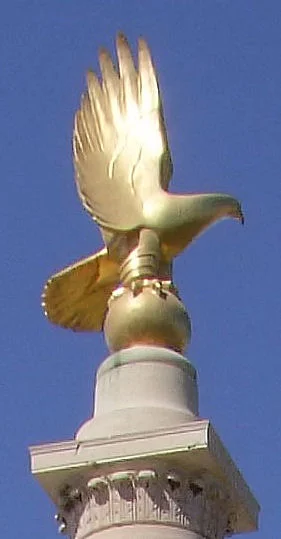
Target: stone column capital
152, 496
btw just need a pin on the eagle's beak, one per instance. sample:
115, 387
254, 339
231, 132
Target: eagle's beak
237, 212
241, 217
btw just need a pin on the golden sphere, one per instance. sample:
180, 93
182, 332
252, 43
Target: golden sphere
150, 315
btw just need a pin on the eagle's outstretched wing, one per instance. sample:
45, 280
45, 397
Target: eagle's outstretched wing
77, 296
121, 154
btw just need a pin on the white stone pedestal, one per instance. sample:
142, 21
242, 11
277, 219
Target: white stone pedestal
145, 466
140, 389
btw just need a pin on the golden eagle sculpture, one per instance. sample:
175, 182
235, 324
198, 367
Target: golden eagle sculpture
123, 168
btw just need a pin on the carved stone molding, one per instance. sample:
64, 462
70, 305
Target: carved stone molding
146, 496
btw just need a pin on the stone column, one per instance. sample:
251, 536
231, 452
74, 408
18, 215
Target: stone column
145, 466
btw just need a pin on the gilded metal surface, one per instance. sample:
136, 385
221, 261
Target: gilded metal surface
123, 168
77, 296
149, 312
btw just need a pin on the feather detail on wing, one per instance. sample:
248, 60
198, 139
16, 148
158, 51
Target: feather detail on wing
77, 296
120, 147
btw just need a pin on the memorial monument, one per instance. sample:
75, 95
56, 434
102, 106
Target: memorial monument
145, 465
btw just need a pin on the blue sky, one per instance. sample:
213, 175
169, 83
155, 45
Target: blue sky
219, 71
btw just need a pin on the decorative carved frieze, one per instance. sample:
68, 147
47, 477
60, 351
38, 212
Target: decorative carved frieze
146, 496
